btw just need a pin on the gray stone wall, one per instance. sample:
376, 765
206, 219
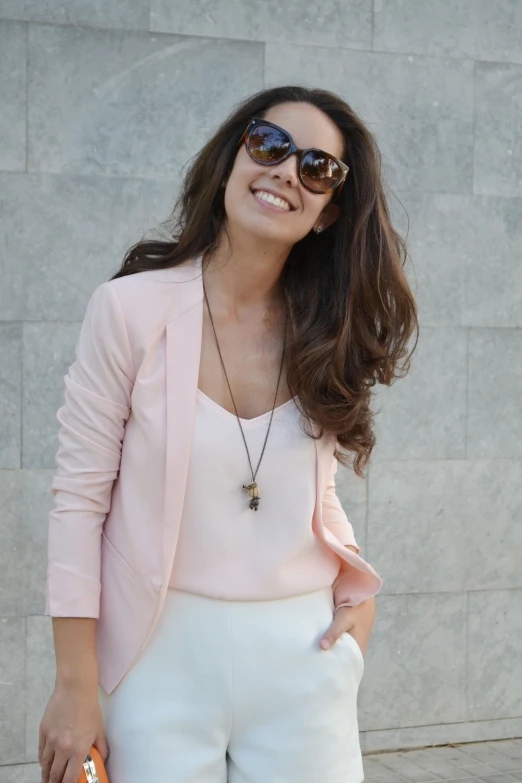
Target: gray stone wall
102, 105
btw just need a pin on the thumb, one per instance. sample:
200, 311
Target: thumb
335, 629
101, 745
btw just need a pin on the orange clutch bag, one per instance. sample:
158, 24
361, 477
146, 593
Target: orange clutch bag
93, 768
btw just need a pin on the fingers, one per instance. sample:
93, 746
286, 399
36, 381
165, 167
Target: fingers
339, 625
46, 759
41, 743
60, 765
73, 770
53, 767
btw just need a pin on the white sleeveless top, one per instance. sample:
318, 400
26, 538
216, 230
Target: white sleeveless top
227, 550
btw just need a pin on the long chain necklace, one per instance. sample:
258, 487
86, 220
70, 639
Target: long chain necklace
251, 487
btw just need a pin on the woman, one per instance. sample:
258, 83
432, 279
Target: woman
210, 606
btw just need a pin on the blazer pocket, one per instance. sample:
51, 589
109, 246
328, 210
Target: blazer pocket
113, 552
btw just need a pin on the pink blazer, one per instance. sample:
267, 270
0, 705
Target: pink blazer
122, 462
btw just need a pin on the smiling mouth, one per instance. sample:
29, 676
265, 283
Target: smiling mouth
270, 203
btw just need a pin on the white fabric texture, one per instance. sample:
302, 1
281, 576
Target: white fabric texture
227, 550
238, 692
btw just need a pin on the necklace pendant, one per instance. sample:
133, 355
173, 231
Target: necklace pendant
253, 491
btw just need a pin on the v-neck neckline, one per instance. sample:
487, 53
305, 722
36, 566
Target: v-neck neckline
244, 421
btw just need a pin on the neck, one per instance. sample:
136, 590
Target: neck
245, 284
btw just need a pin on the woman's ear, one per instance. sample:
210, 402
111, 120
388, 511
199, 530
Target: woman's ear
328, 216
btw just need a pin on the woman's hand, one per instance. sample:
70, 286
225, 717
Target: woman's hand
355, 620
71, 723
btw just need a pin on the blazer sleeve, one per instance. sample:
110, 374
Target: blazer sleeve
333, 514
97, 394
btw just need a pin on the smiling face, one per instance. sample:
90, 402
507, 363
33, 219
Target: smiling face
252, 213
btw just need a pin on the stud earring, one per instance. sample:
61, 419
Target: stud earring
318, 229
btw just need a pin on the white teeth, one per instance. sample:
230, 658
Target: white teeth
279, 202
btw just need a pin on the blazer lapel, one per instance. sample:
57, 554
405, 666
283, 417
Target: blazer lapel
183, 347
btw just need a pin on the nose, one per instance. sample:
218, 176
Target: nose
287, 170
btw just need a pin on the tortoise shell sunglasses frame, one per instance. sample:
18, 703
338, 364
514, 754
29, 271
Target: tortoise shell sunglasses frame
293, 148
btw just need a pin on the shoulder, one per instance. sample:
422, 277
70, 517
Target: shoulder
152, 282
148, 300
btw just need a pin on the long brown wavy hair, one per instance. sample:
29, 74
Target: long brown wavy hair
352, 309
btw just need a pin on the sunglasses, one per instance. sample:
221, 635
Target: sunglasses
268, 144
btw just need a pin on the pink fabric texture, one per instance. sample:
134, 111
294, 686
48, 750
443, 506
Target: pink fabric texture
124, 446
227, 550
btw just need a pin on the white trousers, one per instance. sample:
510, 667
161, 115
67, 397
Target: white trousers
238, 691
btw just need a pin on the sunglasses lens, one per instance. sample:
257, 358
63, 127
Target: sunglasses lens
266, 144
320, 172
